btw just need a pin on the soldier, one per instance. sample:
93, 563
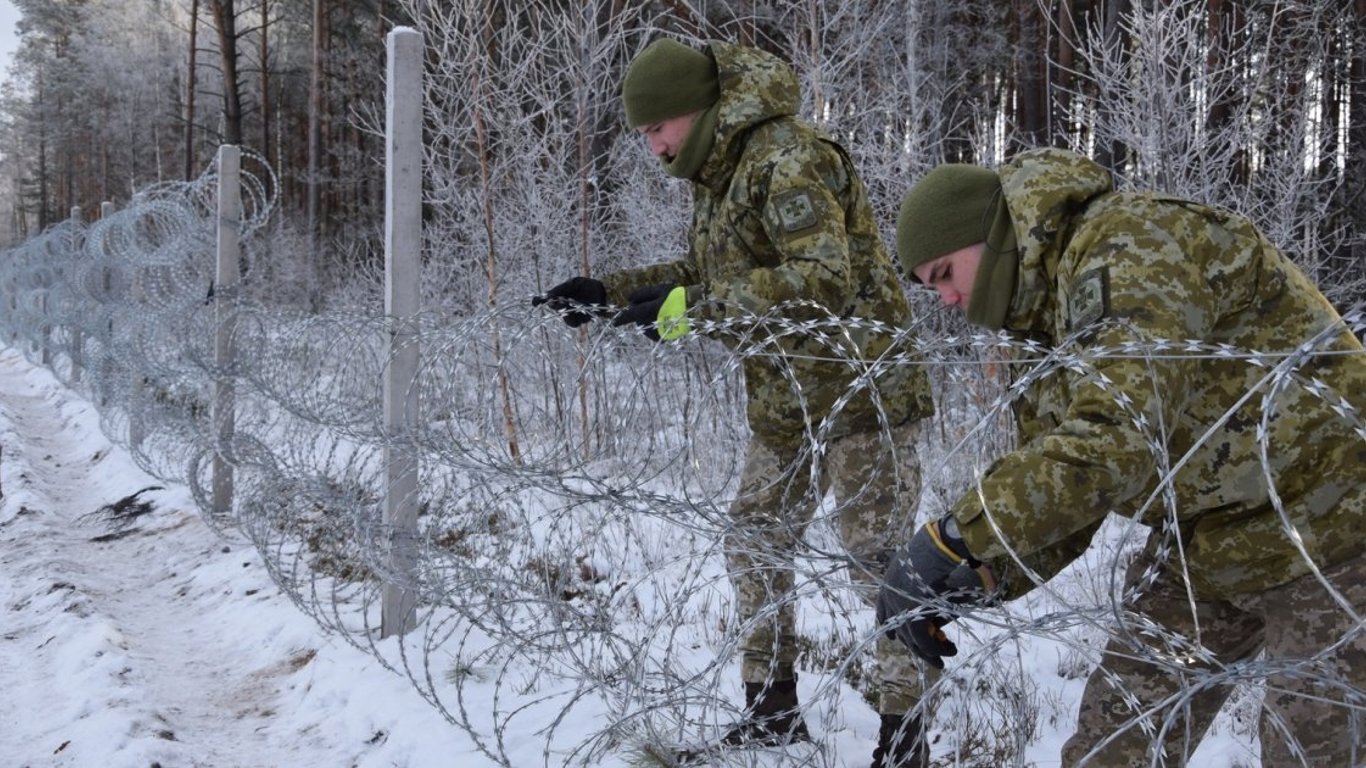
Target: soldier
781, 226
1254, 484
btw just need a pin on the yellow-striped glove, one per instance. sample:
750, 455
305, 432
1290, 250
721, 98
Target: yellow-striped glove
661, 310
928, 583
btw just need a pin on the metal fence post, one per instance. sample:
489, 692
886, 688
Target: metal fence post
225, 316
402, 247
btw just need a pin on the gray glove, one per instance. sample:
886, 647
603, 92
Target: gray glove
925, 583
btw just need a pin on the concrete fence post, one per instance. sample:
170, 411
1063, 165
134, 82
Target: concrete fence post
106, 356
76, 334
137, 389
12, 308
402, 249
225, 317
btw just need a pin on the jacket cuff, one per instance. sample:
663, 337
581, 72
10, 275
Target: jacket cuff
976, 532
702, 306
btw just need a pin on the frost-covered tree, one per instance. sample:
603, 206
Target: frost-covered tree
1259, 106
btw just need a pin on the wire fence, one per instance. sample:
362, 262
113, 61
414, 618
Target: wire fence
569, 558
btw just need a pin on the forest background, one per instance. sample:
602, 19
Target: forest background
1254, 105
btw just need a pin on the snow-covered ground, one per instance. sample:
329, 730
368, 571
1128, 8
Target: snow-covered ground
164, 643
169, 645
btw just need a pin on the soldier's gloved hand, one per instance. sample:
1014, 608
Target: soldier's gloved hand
567, 297
925, 581
661, 310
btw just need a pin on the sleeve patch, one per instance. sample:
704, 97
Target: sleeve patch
795, 210
1090, 299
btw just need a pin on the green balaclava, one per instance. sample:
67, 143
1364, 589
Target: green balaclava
667, 80
954, 206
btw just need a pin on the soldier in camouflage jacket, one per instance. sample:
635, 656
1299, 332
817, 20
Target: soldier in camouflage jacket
781, 220
1199, 383
782, 230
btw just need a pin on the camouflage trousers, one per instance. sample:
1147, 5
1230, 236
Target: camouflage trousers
1313, 664
875, 480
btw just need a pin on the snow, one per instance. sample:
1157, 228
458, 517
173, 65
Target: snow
166, 643
171, 645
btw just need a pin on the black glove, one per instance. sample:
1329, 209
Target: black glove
573, 293
924, 582
643, 307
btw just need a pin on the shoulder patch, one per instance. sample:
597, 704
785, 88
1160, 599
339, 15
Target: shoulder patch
1089, 299
795, 210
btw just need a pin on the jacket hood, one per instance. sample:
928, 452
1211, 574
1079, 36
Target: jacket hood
1045, 190
756, 86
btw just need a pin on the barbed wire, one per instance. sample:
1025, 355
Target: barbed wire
568, 559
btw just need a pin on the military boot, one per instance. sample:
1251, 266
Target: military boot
772, 719
901, 746
771, 716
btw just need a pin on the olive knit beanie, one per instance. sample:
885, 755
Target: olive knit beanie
952, 207
666, 80
943, 212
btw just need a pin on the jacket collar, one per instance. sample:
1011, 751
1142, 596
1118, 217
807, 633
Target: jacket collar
756, 87
1045, 190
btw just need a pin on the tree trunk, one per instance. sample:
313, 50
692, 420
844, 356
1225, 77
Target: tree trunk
1031, 58
265, 80
190, 91
491, 272
1111, 154
315, 108
1064, 126
1353, 190
225, 19
44, 217
1223, 21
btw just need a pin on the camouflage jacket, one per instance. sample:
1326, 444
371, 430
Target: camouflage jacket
779, 214
1101, 269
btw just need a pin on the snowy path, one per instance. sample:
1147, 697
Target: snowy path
168, 646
